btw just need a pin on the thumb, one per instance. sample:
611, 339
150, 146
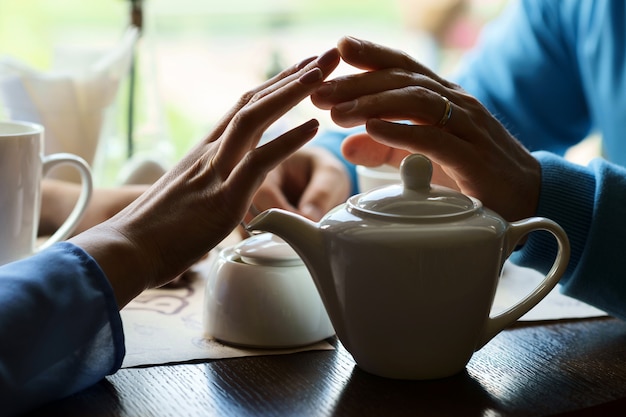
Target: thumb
361, 149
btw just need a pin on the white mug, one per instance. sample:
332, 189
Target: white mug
369, 178
22, 167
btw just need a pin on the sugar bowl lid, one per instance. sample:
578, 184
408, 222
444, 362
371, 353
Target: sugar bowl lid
267, 249
415, 198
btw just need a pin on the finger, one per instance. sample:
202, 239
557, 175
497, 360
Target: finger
289, 73
326, 62
442, 147
248, 175
253, 168
420, 105
371, 56
247, 126
254, 118
341, 89
387, 69
244, 99
484, 169
362, 149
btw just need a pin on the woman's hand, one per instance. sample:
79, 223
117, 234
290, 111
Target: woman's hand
310, 182
474, 150
201, 199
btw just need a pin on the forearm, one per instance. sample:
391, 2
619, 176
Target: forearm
59, 197
57, 200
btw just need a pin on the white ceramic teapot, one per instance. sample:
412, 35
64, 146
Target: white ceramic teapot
408, 272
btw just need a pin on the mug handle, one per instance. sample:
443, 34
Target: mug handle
72, 220
516, 231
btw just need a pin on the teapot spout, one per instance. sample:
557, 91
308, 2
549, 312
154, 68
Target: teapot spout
306, 238
299, 232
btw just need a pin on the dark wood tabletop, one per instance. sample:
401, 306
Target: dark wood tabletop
569, 368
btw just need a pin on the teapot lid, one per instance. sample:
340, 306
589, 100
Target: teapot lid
415, 198
267, 249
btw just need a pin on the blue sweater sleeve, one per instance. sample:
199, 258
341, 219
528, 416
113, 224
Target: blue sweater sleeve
588, 202
524, 70
60, 328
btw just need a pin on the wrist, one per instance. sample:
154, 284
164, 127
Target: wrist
116, 256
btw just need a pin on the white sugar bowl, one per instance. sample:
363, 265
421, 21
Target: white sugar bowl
260, 294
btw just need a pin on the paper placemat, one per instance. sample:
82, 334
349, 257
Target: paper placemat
516, 282
165, 326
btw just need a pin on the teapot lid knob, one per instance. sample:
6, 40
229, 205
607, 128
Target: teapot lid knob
416, 198
416, 171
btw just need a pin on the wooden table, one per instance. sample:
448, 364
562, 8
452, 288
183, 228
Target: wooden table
574, 367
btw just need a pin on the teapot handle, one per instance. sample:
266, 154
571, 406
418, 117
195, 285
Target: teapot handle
517, 231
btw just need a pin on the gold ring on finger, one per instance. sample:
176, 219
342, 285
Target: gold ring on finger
447, 112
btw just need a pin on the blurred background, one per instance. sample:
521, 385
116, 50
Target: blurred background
194, 58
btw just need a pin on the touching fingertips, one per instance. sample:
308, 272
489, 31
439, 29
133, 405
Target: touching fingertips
328, 58
352, 42
304, 62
